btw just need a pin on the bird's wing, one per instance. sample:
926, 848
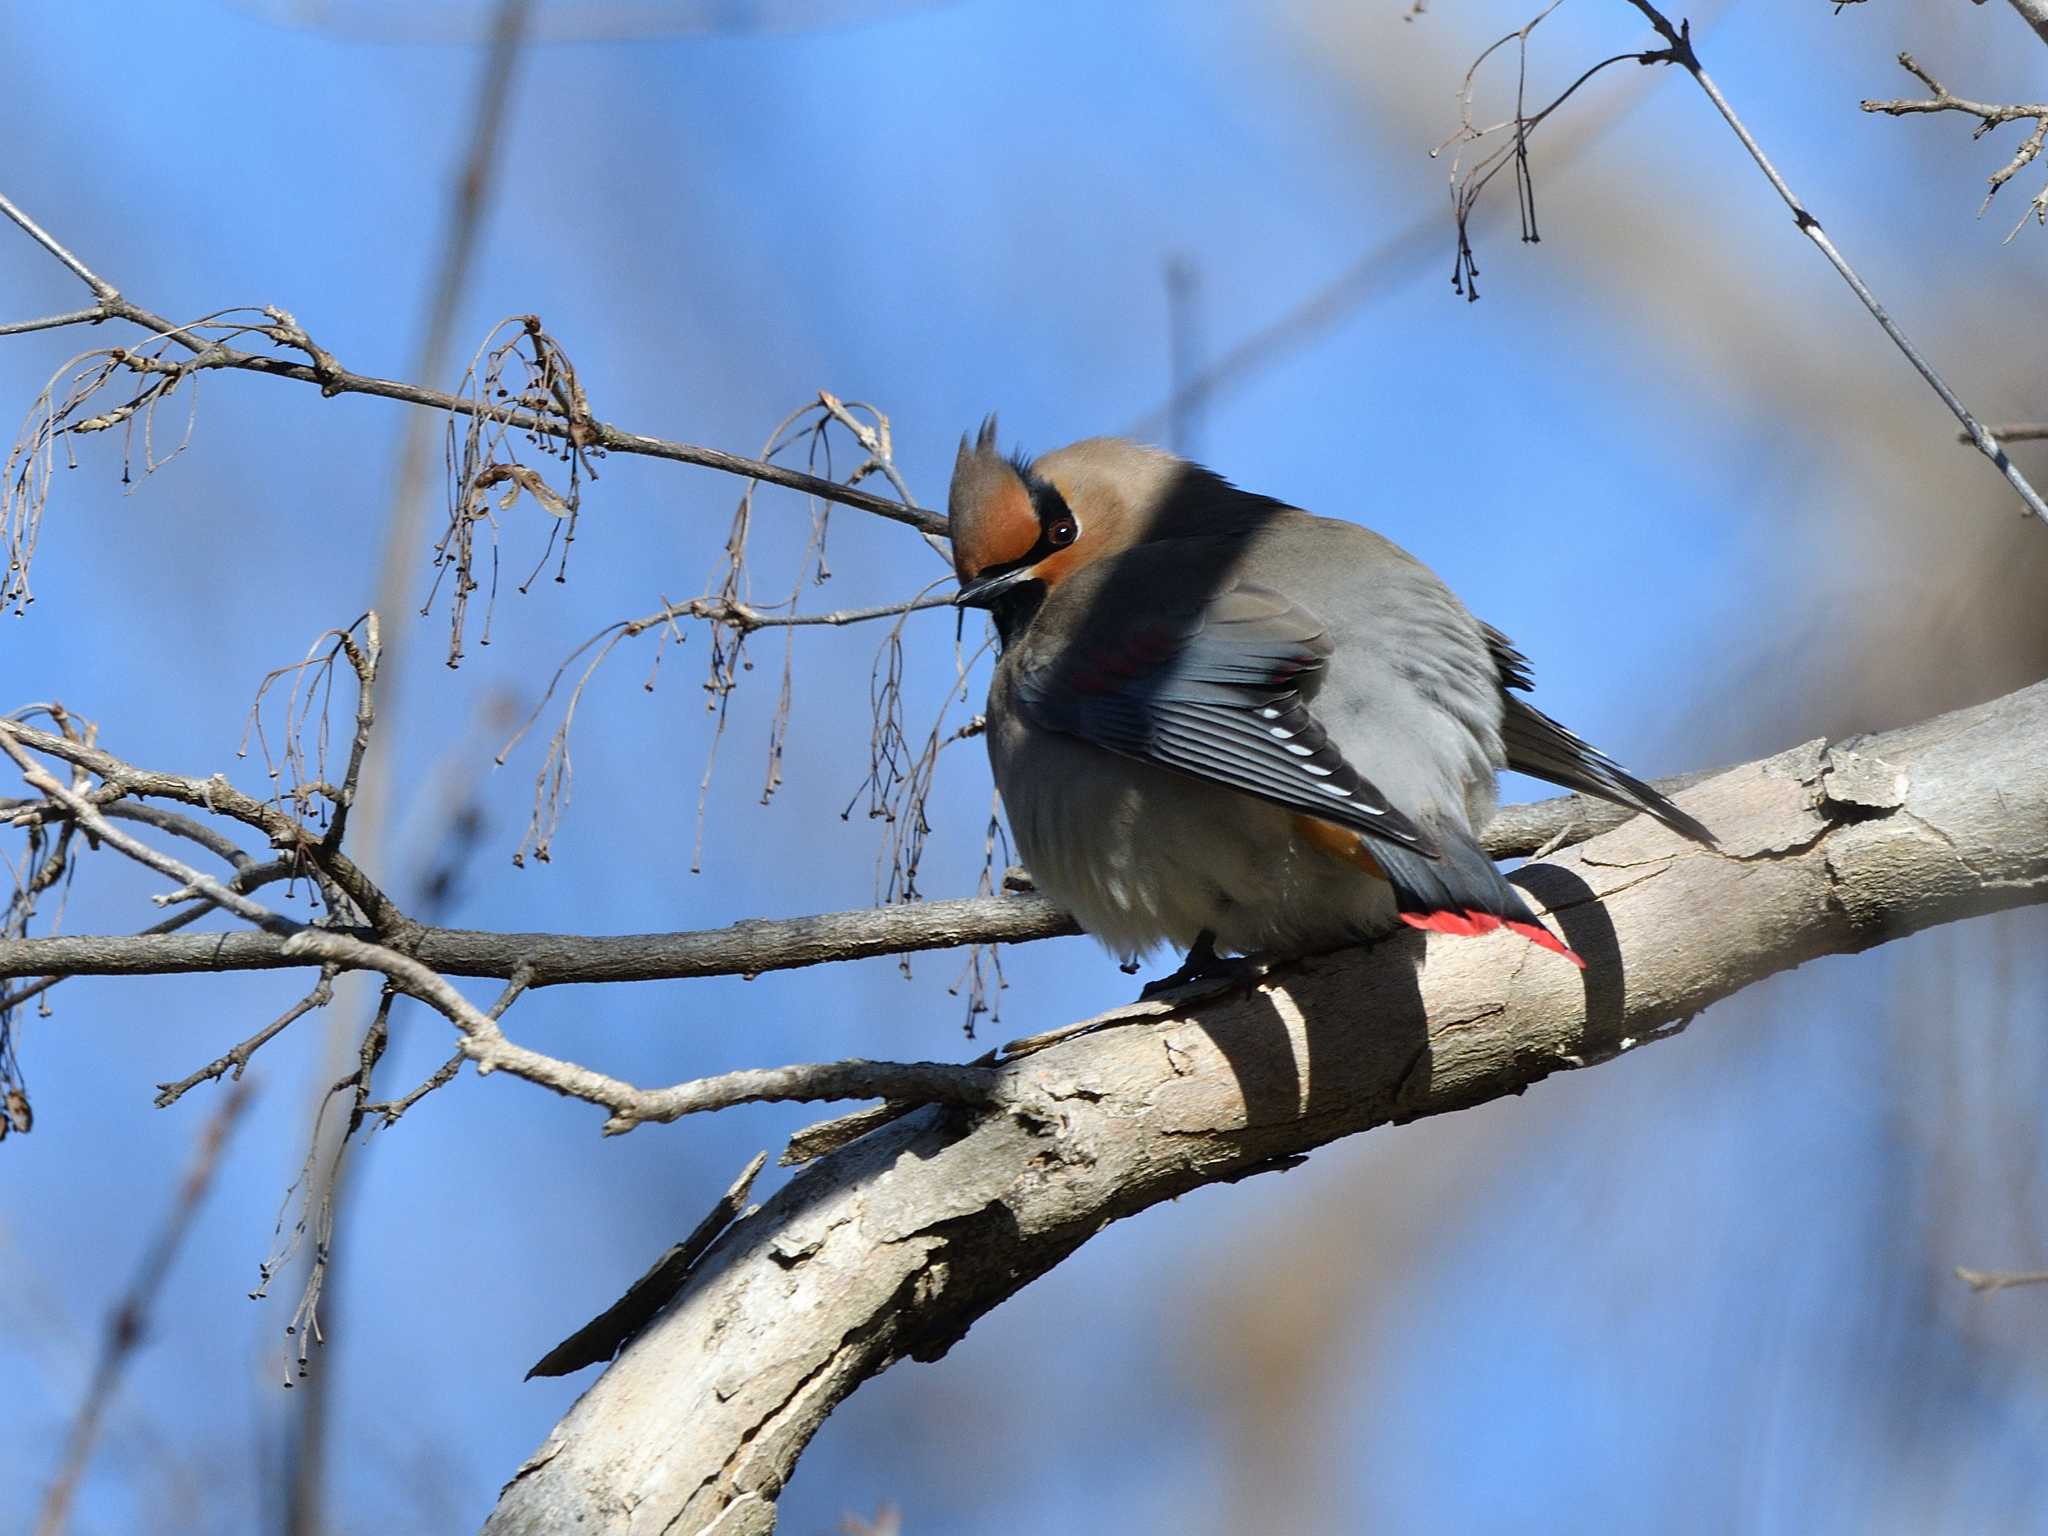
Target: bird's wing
1220, 692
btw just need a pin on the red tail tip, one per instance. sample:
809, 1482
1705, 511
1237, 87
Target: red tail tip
1537, 934
1470, 925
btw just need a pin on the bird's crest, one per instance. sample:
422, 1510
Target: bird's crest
993, 521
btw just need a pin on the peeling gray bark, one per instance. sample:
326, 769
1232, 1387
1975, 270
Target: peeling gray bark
893, 1246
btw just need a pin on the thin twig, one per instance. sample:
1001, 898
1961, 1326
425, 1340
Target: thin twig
22, 813
2014, 432
91, 316
101, 289
1982, 1281
1377, 274
236, 1060
218, 797
88, 815
486, 1044
1679, 51
446, 1073
442, 1076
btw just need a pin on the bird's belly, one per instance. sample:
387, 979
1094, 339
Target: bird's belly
1142, 856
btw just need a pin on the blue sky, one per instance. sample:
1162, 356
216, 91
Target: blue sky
1702, 1289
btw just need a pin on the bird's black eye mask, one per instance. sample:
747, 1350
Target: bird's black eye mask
1057, 525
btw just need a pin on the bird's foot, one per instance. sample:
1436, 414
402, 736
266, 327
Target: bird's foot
1206, 970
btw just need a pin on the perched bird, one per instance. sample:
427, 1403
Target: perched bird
1226, 723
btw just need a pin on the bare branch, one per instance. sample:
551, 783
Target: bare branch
390, 1110
249, 877
485, 1044
15, 741
1988, 117
333, 379
20, 813
91, 316
749, 948
216, 796
237, 1059
544, 403
101, 288
1679, 51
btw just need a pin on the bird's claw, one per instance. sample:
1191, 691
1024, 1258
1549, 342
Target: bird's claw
1206, 970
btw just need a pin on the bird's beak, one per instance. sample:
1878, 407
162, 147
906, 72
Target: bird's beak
983, 592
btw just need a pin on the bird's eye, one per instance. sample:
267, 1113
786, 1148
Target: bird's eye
1062, 532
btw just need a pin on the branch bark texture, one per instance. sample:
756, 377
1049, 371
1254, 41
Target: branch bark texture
2035, 14
894, 1245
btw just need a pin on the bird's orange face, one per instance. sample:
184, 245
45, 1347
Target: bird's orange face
994, 524
1008, 527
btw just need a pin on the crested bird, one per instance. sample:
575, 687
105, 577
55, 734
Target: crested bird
1226, 723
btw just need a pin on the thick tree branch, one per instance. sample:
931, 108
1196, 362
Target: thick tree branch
2035, 14
894, 1245
248, 877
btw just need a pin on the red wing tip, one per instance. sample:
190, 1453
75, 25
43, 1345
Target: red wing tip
1470, 925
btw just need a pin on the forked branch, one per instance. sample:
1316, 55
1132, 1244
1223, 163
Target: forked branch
1989, 116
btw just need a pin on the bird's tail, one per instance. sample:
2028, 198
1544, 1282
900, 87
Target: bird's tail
1537, 745
1461, 892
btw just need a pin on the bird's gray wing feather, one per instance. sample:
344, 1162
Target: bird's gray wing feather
1220, 692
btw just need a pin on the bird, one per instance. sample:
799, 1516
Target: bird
1224, 723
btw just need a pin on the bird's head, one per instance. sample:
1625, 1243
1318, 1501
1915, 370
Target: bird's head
1017, 522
